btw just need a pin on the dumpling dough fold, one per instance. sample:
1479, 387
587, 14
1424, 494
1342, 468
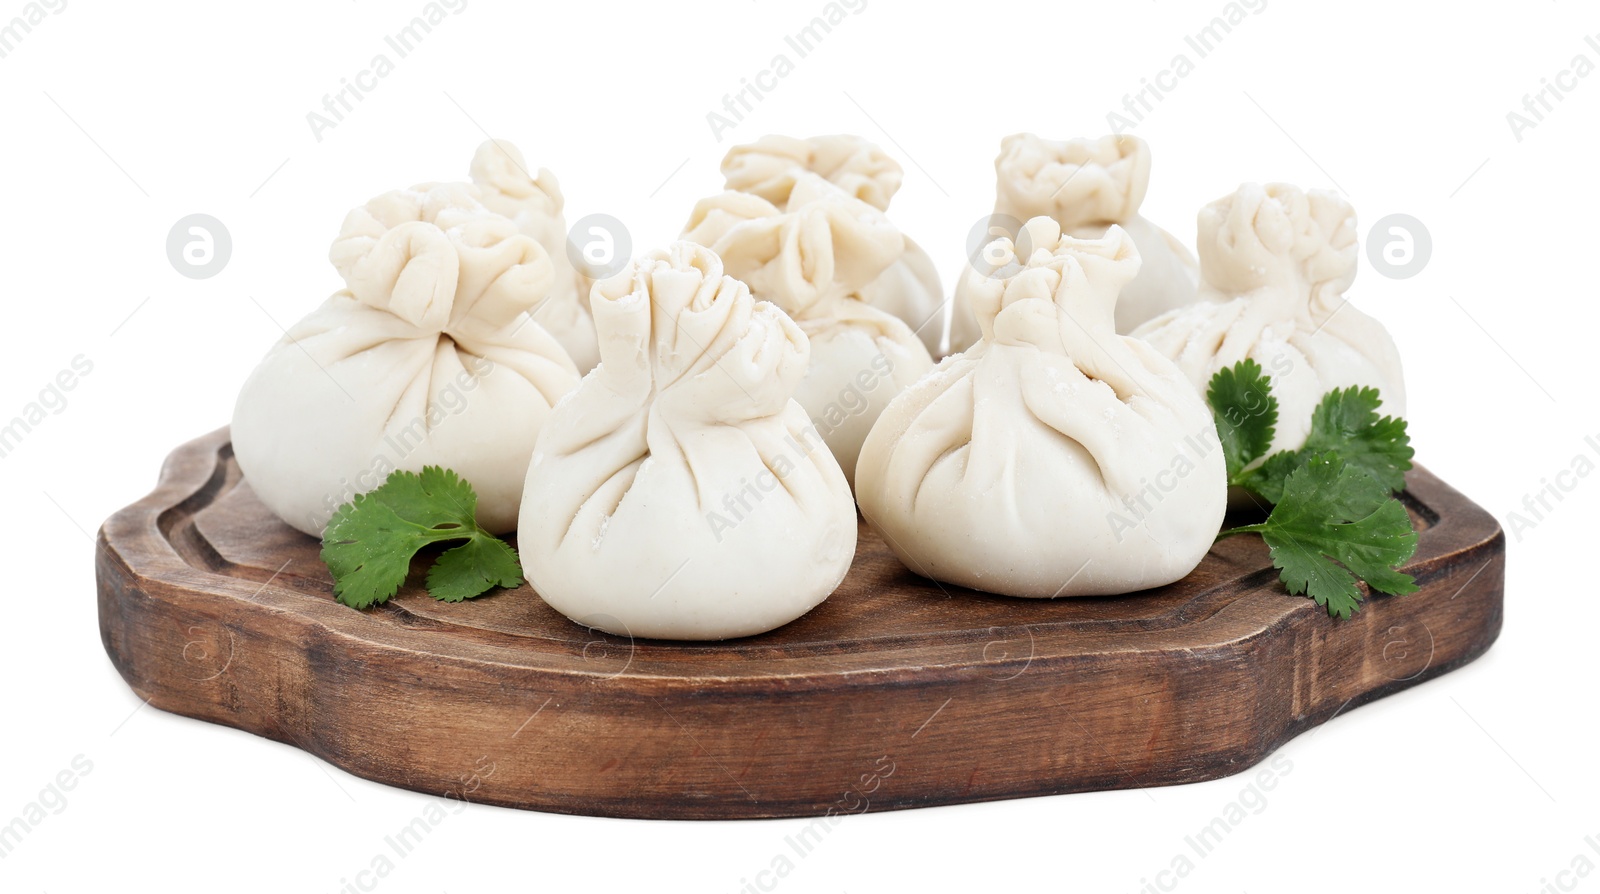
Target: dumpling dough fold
811, 258
1086, 186
506, 187
1054, 457
1277, 262
680, 492
427, 357
909, 288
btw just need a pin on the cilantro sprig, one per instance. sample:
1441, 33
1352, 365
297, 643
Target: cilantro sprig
1246, 413
1334, 519
370, 541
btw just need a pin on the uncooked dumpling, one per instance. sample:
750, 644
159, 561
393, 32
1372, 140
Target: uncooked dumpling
680, 492
427, 357
1054, 457
771, 166
1276, 263
1086, 186
811, 257
506, 187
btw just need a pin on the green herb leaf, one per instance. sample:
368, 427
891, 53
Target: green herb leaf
1267, 479
1333, 524
1334, 518
1246, 413
482, 564
360, 549
370, 541
1347, 422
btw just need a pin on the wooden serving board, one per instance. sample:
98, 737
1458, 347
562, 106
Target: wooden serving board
897, 692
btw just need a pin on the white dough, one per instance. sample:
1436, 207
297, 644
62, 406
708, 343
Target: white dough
505, 186
1276, 263
1086, 186
770, 167
811, 258
679, 493
427, 357
1054, 457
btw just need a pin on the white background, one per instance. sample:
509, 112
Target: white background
120, 118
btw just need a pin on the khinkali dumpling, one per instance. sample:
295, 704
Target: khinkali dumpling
1276, 262
1054, 457
679, 492
1086, 186
811, 258
427, 357
772, 165
506, 187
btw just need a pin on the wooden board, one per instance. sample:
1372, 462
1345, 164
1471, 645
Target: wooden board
897, 692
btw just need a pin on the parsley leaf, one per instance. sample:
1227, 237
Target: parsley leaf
1347, 422
1246, 413
1335, 522
370, 541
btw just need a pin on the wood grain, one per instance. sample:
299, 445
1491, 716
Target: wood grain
897, 692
